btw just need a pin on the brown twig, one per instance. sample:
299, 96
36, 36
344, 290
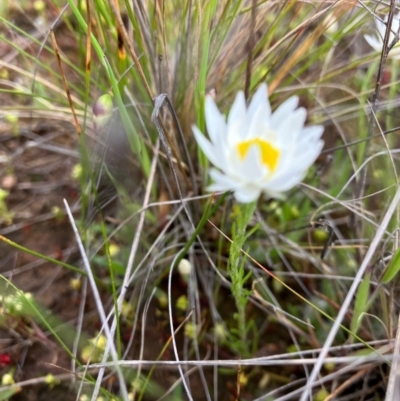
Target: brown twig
88, 39
121, 47
71, 104
250, 45
349, 382
239, 372
128, 43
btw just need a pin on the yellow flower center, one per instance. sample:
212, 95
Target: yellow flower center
269, 154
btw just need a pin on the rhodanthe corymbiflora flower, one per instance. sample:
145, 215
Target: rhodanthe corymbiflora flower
376, 41
257, 151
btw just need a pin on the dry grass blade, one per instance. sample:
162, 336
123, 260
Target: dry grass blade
66, 87
250, 44
124, 36
343, 310
393, 389
100, 308
88, 39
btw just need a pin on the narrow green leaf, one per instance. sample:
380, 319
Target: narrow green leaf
44, 257
8, 393
360, 305
392, 269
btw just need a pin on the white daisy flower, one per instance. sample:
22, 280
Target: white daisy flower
255, 150
376, 41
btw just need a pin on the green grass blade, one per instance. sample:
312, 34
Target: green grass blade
360, 305
392, 269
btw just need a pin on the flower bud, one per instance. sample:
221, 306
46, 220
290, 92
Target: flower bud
102, 111
7, 379
184, 267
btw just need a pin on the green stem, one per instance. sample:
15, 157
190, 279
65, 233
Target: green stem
236, 270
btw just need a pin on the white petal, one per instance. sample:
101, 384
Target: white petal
222, 182
259, 99
294, 173
395, 52
374, 42
297, 155
287, 182
250, 168
301, 158
285, 179
237, 120
305, 159
290, 126
217, 129
313, 131
294, 168
258, 126
309, 136
285, 161
381, 28
396, 23
208, 149
238, 109
247, 194
215, 121
284, 110
274, 194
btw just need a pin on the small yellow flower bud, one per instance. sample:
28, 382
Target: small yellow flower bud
182, 302
75, 284
243, 379
113, 249
76, 173
39, 5
11, 118
190, 330
51, 380
7, 379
